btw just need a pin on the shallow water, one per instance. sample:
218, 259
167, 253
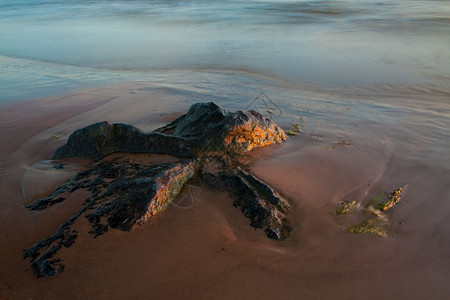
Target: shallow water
48, 47
374, 74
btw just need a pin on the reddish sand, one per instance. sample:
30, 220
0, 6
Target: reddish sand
207, 249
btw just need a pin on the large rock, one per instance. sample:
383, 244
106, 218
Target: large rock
123, 194
206, 128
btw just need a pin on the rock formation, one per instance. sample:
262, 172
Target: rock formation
259, 202
206, 128
123, 194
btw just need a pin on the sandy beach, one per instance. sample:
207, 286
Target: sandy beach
206, 248
362, 88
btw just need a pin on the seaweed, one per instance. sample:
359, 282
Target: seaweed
346, 208
394, 198
340, 143
375, 227
374, 201
294, 131
379, 225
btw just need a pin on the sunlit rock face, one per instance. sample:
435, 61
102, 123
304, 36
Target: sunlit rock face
123, 194
205, 128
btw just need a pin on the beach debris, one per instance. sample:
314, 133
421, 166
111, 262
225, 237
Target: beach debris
290, 132
371, 226
394, 198
123, 194
294, 130
378, 225
372, 206
347, 207
338, 144
56, 136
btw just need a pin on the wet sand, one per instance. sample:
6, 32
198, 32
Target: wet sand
207, 249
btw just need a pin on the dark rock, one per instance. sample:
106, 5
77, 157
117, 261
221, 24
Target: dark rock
204, 129
123, 194
265, 207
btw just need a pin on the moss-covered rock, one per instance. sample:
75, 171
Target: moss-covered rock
347, 207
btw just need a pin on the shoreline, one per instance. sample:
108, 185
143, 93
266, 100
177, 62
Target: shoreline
180, 253
189, 76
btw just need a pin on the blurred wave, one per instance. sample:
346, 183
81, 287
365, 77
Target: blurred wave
337, 43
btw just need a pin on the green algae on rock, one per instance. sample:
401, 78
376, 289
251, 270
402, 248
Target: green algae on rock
379, 224
347, 207
394, 198
338, 144
294, 131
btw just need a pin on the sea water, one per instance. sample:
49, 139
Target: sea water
368, 82
48, 47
